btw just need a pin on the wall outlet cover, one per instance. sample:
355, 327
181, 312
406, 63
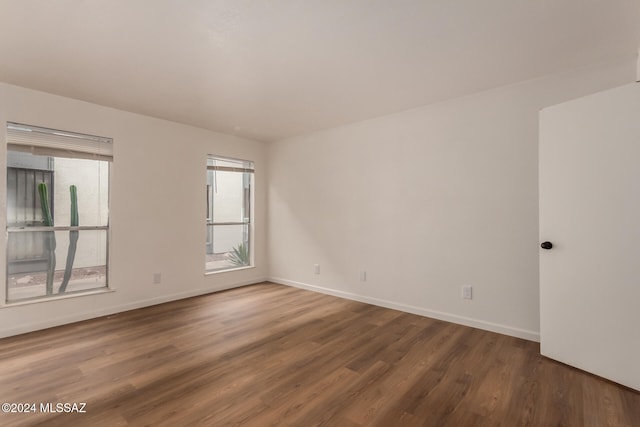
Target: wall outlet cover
467, 292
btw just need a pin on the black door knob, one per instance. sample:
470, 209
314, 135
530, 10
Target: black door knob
546, 245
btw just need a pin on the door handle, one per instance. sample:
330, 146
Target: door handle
546, 245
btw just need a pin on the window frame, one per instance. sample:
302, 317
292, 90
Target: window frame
89, 152
248, 204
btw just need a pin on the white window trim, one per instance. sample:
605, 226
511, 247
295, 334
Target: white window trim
250, 222
52, 142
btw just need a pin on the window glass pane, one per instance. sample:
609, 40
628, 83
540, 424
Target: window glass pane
28, 262
91, 178
229, 193
227, 246
37, 264
24, 173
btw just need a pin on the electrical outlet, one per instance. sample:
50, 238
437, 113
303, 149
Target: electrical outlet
467, 292
157, 278
363, 276
316, 268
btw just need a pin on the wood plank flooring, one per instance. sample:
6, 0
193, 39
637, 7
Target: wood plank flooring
272, 355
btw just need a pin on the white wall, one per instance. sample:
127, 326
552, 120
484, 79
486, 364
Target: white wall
425, 201
157, 207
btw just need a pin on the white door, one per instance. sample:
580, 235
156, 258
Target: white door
590, 212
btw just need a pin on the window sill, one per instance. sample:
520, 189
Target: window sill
227, 270
56, 297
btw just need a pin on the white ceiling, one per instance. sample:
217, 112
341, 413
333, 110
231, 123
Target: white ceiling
270, 69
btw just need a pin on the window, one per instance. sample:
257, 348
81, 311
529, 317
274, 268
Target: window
57, 212
229, 214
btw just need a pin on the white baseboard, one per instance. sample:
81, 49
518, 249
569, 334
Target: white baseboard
453, 318
78, 317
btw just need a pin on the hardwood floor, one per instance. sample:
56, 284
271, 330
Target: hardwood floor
273, 355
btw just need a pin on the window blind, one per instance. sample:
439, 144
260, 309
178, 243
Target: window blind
229, 165
51, 142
